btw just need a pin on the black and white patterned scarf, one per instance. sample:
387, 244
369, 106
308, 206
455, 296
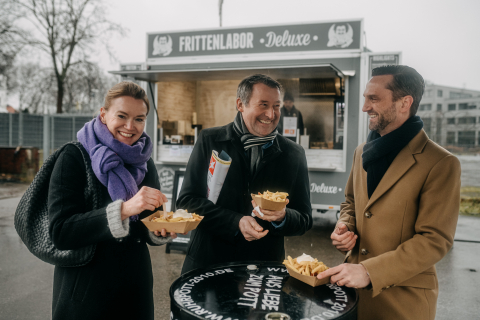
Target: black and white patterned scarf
251, 143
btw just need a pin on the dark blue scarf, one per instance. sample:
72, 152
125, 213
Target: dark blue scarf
379, 152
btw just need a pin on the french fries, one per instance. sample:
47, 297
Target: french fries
306, 268
195, 217
277, 196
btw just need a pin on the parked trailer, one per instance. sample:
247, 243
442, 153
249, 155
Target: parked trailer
192, 77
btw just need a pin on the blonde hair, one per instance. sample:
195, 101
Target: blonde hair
128, 89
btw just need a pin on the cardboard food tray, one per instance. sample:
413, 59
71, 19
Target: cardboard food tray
268, 204
310, 280
177, 227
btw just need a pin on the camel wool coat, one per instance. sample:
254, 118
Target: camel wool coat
406, 227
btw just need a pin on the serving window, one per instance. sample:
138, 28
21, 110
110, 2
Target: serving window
189, 102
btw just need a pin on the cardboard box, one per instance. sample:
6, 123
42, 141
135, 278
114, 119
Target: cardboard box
177, 227
268, 204
313, 281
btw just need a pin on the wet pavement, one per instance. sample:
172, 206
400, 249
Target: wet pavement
26, 282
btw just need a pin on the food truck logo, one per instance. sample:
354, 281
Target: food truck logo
340, 36
162, 45
315, 188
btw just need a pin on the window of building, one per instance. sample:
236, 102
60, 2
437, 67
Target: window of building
439, 93
462, 106
466, 138
425, 107
439, 107
427, 125
452, 106
467, 120
450, 120
472, 106
451, 137
459, 95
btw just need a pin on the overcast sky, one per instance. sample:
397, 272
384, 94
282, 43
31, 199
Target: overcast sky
441, 39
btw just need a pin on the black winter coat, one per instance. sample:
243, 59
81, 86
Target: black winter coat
118, 282
217, 238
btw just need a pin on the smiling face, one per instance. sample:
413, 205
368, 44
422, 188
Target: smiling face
125, 118
262, 113
385, 114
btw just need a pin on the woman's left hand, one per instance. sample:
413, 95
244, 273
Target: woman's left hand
165, 234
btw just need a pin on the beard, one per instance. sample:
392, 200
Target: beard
384, 119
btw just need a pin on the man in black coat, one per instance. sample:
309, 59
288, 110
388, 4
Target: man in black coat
261, 160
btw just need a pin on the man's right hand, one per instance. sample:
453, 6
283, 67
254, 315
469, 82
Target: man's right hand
250, 229
343, 239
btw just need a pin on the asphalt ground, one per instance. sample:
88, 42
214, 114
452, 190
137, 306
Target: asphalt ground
26, 282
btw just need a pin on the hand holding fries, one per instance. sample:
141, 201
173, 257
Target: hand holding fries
164, 234
269, 215
145, 199
307, 268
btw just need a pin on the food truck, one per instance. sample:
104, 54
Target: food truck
192, 76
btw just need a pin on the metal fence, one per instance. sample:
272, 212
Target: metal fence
45, 132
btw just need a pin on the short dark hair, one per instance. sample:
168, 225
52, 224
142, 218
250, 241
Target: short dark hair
244, 90
126, 89
288, 96
406, 82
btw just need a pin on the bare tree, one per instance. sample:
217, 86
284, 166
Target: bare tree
10, 37
34, 87
68, 31
86, 86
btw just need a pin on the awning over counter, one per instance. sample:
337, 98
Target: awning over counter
208, 74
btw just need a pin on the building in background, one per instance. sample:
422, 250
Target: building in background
451, 116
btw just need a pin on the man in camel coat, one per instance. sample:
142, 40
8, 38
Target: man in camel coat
401, 205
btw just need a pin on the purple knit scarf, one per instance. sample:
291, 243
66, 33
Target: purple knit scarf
118, 166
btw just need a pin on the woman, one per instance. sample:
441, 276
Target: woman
117, 283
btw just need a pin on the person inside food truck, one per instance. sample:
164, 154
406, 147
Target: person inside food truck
261, 160
291, 118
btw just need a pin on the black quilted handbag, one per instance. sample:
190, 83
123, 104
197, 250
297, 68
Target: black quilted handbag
31, 216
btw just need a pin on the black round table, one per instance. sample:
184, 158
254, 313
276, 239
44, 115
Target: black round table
234, 292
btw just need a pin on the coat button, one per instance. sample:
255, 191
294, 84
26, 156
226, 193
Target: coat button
120, 240
368, 214
364, 252
138, 240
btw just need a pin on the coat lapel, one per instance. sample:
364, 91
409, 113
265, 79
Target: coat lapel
400, 165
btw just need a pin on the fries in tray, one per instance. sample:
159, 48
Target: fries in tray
306, 269
170, 218
277, 196
270, 200
180, 221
